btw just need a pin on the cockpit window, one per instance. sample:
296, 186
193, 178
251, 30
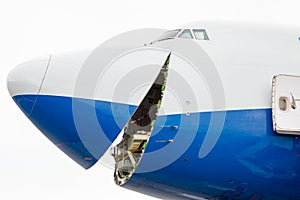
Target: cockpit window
169, 34
200, 34
186, 34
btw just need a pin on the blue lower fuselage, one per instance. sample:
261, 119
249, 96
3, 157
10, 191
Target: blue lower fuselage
249, 160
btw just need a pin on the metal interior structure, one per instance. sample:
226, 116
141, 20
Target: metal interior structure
138, 129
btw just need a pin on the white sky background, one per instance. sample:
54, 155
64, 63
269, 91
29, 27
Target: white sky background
31, 167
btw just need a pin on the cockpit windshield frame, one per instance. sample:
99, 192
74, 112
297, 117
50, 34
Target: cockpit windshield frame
169, 34
196, 33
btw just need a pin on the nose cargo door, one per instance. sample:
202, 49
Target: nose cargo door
286, 104
138, 129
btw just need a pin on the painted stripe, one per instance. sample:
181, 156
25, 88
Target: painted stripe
249, 159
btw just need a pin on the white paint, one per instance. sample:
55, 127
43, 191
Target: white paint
27, 77
62, 73
286, 121
113, 84
246, 57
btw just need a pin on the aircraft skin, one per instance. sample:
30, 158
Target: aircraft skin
213, 137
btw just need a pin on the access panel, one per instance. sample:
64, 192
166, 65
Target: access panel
286, 104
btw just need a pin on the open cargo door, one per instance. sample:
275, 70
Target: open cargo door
286, 104
138, 129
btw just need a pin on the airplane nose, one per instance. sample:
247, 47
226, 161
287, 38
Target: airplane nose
27, 78
68, 122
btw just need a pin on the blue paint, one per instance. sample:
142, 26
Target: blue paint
249, 161
53, 116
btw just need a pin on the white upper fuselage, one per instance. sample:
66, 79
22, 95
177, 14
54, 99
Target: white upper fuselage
245, 56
